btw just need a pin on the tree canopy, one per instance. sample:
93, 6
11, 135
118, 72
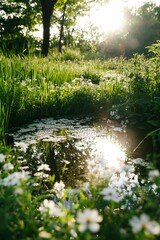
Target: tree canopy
18, 18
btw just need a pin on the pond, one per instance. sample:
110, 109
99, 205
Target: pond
75, 150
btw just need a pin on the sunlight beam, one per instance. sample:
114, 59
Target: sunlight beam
108, 17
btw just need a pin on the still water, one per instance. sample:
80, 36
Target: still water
76, 150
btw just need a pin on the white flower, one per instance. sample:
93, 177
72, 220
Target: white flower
59, 188
128, 169
89, 219
41, 175
111, 194
73, 233
23, 83
43, 167
144, 223
154, 188
153, 227
140, 223
139, 161
153, 173
50, 207
44, 234
18, 191
2, 157
8, 166
14, 179
21, 145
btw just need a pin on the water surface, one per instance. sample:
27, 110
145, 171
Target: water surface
75, 149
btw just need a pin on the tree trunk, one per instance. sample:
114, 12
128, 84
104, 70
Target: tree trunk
61, 29
47, 10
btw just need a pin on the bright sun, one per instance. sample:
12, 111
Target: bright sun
108, 17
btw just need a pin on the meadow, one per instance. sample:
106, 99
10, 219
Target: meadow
125, 206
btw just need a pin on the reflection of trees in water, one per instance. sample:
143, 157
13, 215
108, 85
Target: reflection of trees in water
67, 161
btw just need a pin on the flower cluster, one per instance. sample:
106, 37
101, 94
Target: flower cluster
59, 188
48, 206
14, 178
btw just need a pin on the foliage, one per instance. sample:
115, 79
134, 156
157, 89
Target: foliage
142, 81
17, 19
98, 209
65, 19
143, 29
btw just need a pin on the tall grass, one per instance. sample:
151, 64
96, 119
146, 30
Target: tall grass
7, 92
34, 87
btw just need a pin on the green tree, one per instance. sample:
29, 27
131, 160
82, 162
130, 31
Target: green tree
17, 19
66, 19
143, 28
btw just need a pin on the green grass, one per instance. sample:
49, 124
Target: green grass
37, 87
34, 87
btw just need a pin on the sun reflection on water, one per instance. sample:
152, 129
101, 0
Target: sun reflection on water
107, 157
99, 151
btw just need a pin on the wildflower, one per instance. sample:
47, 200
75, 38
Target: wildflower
2, 157
111, 194
24, 83
153, 173
139, 161
71, 224
14, 179
140, 223
73, 233
144, 223
41, 175
154, 188
21, 145
89, 219
18, 191
8, 166
43, 167
44, 234
59, 188
50, 207
128, 169
153, 227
